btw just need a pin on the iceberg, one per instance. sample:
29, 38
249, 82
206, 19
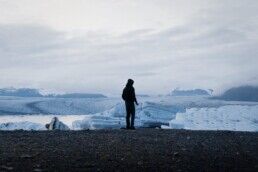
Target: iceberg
194, 112
55, 124
147, 115
22, 126
230, 117
195, 92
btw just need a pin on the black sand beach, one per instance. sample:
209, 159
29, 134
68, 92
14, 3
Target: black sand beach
127, 150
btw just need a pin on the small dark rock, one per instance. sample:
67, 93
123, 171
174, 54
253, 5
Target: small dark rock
176, 154
7, 168
25, 156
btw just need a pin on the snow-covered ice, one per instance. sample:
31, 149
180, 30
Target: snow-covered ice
147, 114
187, 112
37, 119
22, 126
57, 106
231, 117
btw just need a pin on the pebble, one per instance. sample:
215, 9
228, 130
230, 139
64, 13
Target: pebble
149, 150
26, 156
8, 168
176, 154
140, 163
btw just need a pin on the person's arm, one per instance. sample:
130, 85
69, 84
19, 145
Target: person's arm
123, 95
135, 100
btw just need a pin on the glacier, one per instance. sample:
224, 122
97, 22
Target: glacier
167, 112
58, 106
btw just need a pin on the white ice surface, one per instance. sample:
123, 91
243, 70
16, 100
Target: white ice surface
25, 125
148, 114
38, 119
230, 117
57, 106
197, 113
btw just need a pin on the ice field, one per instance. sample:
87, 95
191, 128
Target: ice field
167, 112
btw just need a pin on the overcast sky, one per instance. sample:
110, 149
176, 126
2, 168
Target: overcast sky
96, 45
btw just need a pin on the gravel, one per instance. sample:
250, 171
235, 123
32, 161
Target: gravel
128, 150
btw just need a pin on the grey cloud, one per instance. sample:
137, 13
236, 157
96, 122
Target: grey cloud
206, 52
28, 38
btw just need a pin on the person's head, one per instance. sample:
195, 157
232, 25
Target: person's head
130, 82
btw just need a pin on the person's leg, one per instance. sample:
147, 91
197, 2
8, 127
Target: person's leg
127, 115
133, 115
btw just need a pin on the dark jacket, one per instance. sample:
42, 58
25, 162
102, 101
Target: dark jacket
129, 94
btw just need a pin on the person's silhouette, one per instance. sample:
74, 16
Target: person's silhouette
129, 98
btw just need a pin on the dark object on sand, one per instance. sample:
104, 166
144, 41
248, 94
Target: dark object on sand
47, 126
55, 124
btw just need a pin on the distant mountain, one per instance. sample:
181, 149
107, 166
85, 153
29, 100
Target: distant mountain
142, 95
242, 93
195, 92
29, 92
21, 92
78, 95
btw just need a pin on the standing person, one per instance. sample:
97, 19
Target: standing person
129, 98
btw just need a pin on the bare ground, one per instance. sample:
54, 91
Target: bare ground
128, 150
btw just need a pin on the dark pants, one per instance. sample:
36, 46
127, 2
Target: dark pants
130, 112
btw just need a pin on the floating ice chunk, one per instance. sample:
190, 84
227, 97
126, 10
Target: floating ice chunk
176, 125
230, 117
97, 122
81, 124
22, 126
55, 124
147, 115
